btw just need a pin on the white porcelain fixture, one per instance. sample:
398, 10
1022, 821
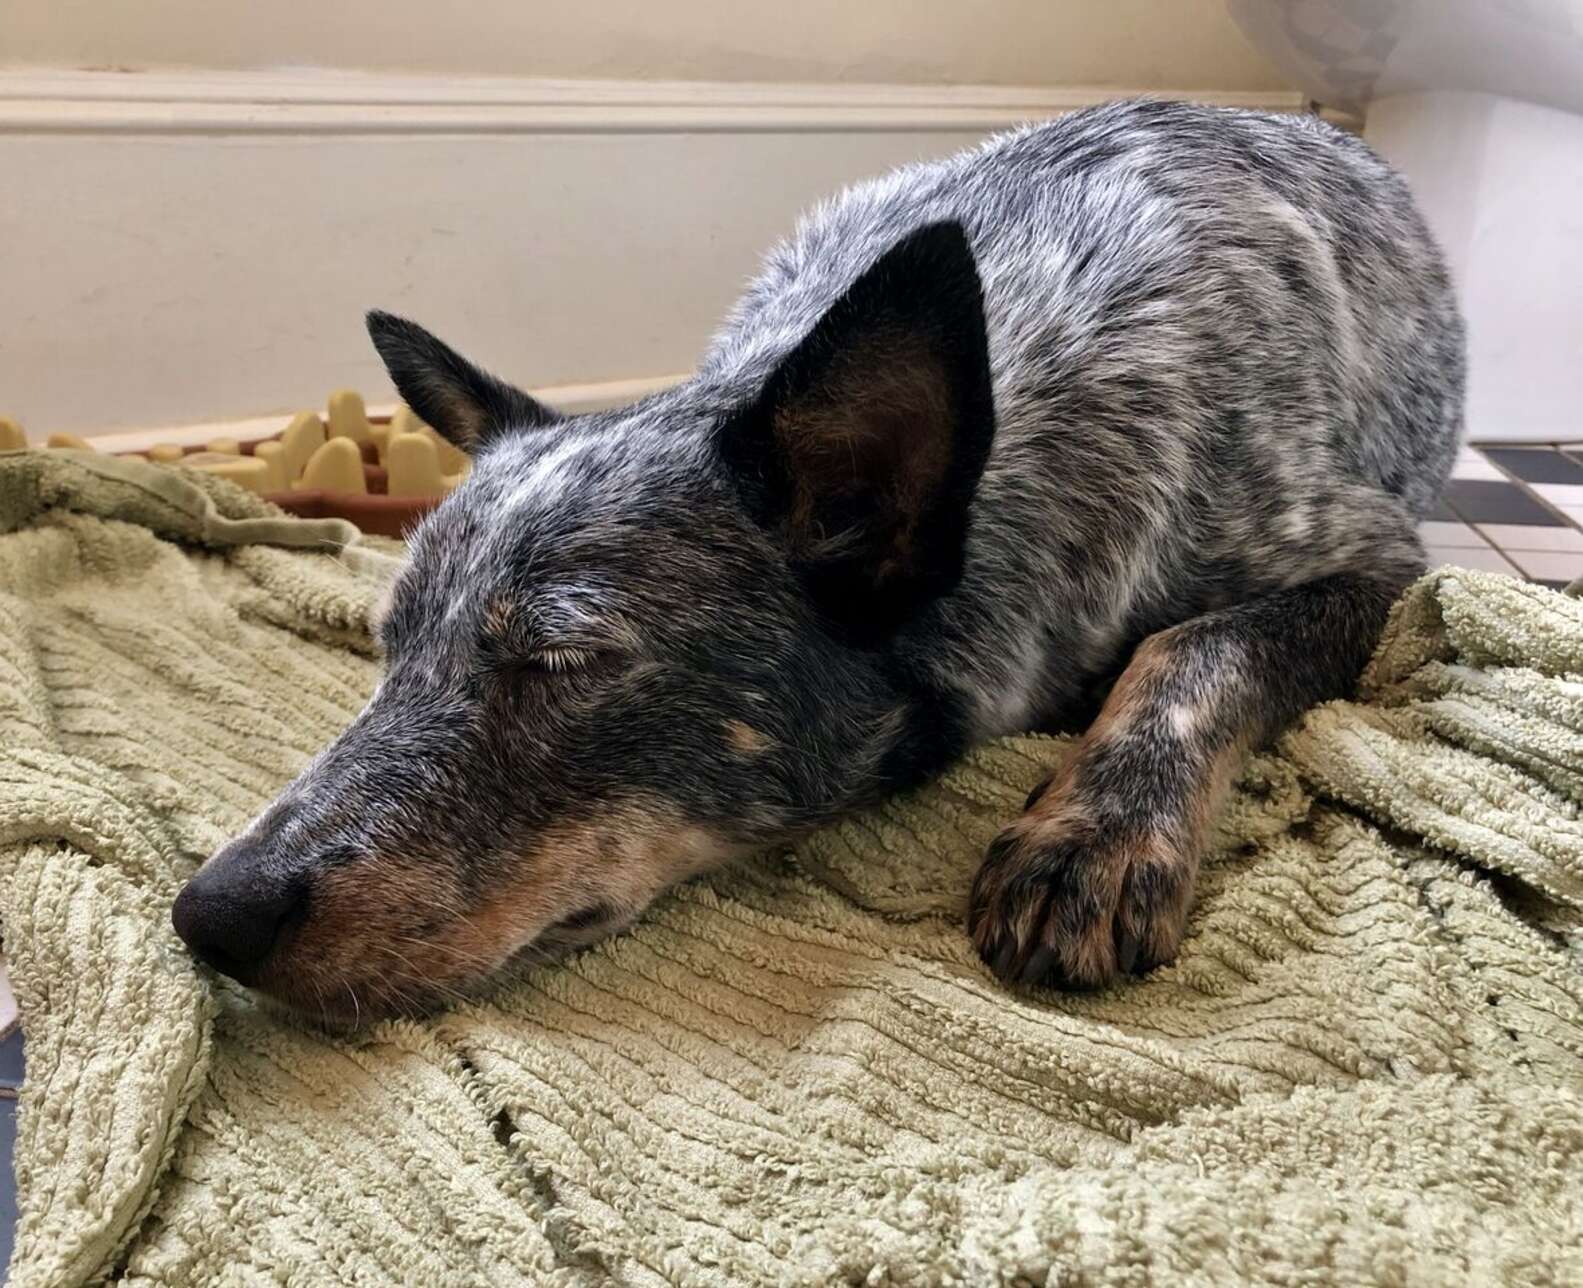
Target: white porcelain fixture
1480, 104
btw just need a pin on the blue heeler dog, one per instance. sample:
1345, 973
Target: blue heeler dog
1119, 423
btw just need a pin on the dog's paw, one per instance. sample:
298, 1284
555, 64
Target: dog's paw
1066, 902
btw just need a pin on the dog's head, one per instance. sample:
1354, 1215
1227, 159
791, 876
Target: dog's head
629, 645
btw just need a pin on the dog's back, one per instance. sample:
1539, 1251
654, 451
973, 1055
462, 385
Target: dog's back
1219, 339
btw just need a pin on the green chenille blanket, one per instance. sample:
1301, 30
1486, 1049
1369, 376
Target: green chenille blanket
1367, 1065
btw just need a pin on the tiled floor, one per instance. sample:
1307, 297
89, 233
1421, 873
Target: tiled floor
1516, 510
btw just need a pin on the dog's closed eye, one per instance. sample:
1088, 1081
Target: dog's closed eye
563, 663
531, 640
590, 918
558, 661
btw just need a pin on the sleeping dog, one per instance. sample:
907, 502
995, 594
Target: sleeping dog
1119, 424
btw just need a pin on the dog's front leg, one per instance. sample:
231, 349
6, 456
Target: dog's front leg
1096, 877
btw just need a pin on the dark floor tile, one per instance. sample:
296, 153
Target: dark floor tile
1536, 464
1554, 585
7, 1182
11, 1060
1442, 513
1479, 501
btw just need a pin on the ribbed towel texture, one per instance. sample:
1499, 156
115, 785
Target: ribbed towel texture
1367, 1065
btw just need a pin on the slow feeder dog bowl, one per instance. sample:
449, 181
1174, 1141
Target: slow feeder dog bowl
382, 473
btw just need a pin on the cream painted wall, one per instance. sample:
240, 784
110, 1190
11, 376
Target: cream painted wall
1137, 44
235, 282
571, 190
183, 248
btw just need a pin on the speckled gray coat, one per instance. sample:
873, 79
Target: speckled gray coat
1150, 375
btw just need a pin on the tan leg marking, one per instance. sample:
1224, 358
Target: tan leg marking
1078, 890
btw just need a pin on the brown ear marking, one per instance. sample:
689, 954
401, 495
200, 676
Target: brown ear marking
867, 451
861, 453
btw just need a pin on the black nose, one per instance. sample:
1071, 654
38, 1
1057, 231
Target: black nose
231, 915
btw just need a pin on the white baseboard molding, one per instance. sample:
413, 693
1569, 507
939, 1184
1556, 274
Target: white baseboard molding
572, 399
311, 101
186, 248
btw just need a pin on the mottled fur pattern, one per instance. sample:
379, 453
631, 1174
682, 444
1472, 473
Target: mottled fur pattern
1152, 374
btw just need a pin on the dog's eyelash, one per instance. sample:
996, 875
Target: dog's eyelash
559, 661
552, 662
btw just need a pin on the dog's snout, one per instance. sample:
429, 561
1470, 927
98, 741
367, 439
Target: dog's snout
231, 916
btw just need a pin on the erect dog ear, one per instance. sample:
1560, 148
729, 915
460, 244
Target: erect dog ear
863, 450
463, 403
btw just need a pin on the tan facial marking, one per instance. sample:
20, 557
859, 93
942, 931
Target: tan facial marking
381, 929
359, 948
745, 739
623, 858
497, 616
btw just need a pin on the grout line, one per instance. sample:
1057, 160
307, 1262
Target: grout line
1510, 558
1566, 519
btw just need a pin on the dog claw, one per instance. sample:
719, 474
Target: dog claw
1039, 964
1037, 794
1003, 959
1126, 952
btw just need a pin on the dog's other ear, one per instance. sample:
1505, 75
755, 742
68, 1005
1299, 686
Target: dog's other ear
462, 403
863, 451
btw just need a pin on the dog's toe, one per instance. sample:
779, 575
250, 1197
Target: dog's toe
1064, 906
